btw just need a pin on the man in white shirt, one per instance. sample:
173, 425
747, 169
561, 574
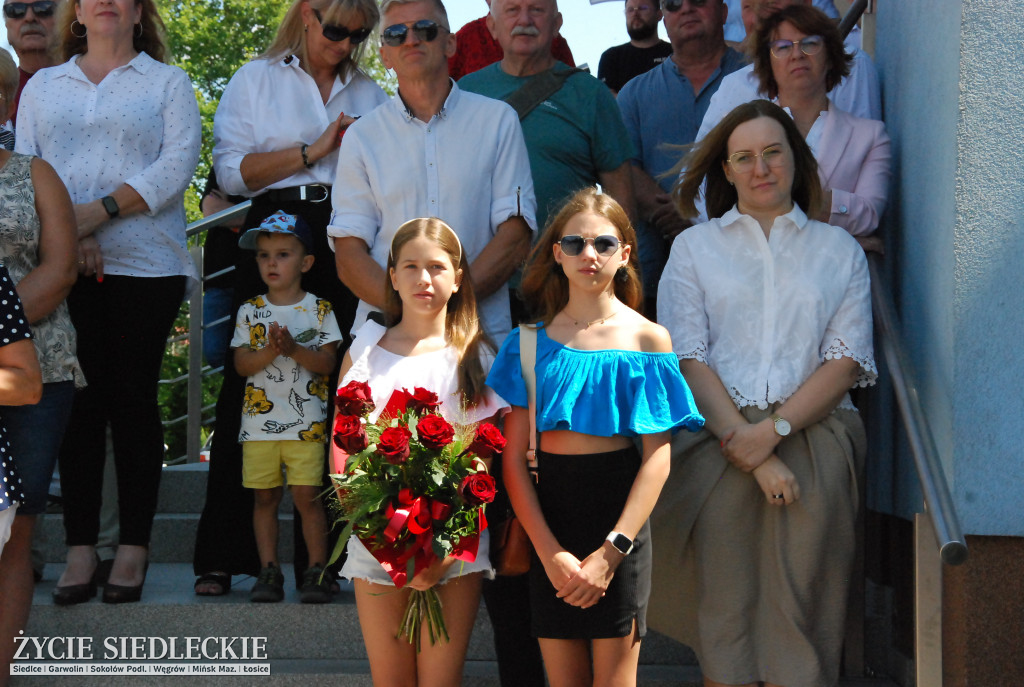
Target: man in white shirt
433, 150
857, 94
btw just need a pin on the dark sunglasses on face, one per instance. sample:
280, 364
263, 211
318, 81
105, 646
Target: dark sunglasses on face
572, 245
40, 8
676, 5
333, 32
425, 30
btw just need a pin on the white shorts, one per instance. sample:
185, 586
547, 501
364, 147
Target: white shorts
361, 564
6, 520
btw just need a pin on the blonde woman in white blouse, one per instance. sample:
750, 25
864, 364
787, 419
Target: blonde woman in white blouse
769, 313
122, 130
276, 136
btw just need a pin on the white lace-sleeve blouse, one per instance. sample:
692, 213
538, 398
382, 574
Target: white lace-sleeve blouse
764, 314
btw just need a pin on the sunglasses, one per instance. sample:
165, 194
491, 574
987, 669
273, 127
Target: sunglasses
676, 5
425, 30
41, 8
573, 244
337, 34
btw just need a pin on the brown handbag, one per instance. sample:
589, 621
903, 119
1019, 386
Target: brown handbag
511, 549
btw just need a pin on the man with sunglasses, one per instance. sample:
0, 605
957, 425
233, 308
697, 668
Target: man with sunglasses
857, 94
433, 150
642, 53
663, 108
29, 25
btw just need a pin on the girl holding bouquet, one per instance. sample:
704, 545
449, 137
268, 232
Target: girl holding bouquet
434, 342
604, 376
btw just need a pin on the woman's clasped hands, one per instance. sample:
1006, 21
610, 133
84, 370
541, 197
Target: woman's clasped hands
751, 448
583, 583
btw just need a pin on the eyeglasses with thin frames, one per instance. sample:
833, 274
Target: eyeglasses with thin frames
743, 161
783, 48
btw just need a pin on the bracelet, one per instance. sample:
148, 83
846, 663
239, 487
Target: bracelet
305, 158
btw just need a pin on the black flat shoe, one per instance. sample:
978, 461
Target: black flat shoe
72, 594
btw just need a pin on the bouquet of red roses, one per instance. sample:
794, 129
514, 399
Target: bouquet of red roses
412, 487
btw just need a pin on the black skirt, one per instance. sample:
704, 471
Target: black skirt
582, 497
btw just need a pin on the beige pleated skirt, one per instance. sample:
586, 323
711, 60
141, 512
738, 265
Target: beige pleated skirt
759, 591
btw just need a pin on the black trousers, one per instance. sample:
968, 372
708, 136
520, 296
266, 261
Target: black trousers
122, 327
225, 540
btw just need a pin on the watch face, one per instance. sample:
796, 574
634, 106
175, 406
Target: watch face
782, 427
622, 543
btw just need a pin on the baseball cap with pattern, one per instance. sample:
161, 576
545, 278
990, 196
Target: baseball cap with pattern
279, 223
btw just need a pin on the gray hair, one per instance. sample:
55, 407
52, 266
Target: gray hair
386, 6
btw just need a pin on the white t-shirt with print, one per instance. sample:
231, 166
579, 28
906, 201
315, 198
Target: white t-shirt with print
285, 401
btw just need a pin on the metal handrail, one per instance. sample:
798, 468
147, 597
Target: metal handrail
937, 498
223, 217
852, 17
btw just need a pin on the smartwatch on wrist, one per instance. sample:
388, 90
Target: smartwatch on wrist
110, 205
621, 542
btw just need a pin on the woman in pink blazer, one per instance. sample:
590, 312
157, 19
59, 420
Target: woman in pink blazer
799, 57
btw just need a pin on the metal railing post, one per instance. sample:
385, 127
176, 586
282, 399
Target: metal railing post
927, 604
194, 424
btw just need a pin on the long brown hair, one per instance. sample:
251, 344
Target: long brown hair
462, 324
151, 39
811, 22
706, 161
545, 288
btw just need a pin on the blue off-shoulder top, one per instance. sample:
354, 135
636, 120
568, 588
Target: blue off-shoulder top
603, 393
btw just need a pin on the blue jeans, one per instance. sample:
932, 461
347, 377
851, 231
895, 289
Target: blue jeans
217, 304
35, 433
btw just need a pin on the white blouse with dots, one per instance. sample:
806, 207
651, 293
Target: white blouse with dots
140, 126
13, 328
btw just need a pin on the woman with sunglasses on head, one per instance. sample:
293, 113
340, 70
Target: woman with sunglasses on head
121, 128
276, 136
770, 316
799, 58
605, 375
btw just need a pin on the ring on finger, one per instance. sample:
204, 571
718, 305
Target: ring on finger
778, 496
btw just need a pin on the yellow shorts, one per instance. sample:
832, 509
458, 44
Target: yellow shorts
262, 461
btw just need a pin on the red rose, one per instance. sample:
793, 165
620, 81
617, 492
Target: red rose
394, 444
478, 488
349, 434
487, 442
422, 401
434, 432
354, 399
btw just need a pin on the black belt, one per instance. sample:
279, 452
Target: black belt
312, 193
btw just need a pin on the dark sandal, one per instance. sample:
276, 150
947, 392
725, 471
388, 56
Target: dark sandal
223, 580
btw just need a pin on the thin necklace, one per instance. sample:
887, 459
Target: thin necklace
589, 324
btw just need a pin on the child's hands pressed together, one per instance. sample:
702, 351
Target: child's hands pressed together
281, 340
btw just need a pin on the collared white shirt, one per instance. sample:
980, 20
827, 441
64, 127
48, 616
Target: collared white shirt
139, 126
272, 105
764, 314
468, 166
857, 94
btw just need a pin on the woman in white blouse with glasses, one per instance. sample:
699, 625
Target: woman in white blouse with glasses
770, 315
276, 136
122, 130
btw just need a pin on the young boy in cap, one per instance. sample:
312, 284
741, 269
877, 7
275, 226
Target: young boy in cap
286, 343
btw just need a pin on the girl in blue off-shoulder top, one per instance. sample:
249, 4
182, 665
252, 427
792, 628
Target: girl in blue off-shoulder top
605, 375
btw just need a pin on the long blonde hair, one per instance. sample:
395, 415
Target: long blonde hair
462, 324
291, 35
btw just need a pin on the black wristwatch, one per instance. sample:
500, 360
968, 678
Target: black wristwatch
110, 205
621, 542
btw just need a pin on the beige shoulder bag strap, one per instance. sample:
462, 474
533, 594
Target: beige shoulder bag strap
528, 361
